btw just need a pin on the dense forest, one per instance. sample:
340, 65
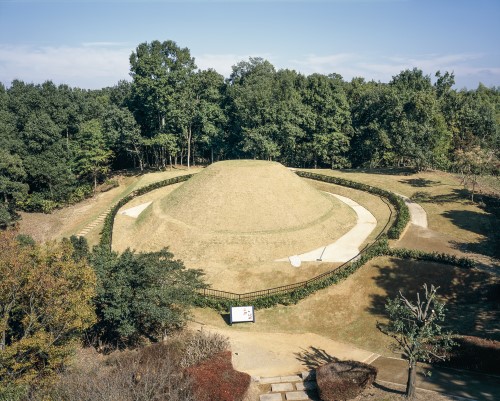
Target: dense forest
57, 143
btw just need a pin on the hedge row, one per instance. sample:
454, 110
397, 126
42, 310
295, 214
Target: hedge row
107, 230
379, 248
289, 297
443, 258
403, 214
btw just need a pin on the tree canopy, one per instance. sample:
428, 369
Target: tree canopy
59, 142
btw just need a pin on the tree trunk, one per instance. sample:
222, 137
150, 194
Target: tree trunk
188, 147
411, 383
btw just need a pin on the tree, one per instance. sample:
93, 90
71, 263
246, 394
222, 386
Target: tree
93, 156
474, 163
141, 295
45, 304
12, 187
161, 73
416, 329
252, 108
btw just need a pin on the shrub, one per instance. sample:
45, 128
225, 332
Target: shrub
150, 373
36, 203
201, 346
474, 353
216, 380
344, 380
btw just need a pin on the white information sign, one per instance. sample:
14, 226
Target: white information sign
239, 314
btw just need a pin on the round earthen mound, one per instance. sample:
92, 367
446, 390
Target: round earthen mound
247, 196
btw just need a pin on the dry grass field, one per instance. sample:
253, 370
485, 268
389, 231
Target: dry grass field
214, 224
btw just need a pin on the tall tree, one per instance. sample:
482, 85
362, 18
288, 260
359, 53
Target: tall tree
416, 329
161, 73
252, 108
329, 132
93, 156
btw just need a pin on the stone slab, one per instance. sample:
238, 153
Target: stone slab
277, 387
269, 380
271, 397
297, 396
306, 386
291, 378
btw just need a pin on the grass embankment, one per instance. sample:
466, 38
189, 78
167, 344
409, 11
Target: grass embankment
72, 219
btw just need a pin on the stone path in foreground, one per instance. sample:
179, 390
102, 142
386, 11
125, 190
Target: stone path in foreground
289, 388
94, 223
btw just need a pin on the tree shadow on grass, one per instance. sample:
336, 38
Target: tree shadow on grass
382, 171
420, 182
483, 224
472, 307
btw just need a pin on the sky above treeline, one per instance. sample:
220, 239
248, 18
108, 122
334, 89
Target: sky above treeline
87, 43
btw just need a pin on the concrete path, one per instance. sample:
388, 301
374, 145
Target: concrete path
418, 215
347, 246
136, 210
457, 383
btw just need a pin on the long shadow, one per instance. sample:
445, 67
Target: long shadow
382, 171
471, 296
483, 224
387, 389
420, 182
314, 357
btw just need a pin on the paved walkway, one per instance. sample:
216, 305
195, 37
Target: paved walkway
347, 246
457, 383
418, 215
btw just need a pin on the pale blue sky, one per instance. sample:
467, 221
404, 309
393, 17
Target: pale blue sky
87, 43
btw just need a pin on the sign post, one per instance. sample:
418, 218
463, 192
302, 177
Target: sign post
241, 314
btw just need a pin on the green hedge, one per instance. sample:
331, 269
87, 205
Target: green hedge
378, 248
403, 214
107, 230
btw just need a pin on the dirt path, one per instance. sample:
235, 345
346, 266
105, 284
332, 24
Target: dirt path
278, 354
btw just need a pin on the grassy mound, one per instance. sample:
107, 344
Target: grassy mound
247, 196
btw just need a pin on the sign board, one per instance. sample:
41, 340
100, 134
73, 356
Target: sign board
240, 314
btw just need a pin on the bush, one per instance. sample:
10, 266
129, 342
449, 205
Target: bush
80, 193
216, 380
474, 353
36, 203
150, 373
201, 346
344, 380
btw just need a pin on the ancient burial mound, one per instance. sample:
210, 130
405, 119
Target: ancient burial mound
235, 218
247, 196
